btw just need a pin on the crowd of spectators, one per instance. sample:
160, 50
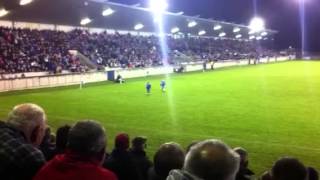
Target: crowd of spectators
25, 50
28, 150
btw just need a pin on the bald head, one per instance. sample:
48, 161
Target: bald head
169, 156
29, 119
212, 159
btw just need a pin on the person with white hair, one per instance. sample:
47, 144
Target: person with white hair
208, 160
19, 138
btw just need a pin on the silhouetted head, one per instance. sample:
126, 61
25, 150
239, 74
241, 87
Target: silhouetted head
62, 137
212, 159
122, 141
169, 156
288, 169
87, 138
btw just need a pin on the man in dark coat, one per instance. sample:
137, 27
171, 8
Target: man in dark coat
120, 160
19, 138
139, 156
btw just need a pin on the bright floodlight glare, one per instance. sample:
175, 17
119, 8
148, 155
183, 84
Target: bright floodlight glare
25, 2
180, 13
217, 27
264, 34
257, 24
158, 6
252, 37
85, 21
138, 26
251, 32
222, 34
202, 32
238, 36
192, 24
236, 29
107, 12
259, 38
3, 12
175, 30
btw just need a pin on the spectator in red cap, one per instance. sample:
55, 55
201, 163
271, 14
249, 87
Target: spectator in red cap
120, 160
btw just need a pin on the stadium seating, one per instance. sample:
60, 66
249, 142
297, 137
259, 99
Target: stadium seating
25, 50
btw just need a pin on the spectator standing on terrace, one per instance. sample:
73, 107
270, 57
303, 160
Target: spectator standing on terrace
19, 138
288, 169
208, 160
244, 172
47, 146
139, 156
168, 157
121, 161
83, 158
62, 139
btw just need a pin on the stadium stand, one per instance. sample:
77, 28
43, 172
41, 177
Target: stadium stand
25, 50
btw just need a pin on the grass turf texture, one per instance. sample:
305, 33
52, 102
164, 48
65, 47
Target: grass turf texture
271, 110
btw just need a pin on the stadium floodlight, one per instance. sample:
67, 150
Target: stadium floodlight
251, 32
259, 38
238, 36
265, 39
264, 33
192, 24
202, 32
180, 13
257, 24
158, 6
175, 30
138, 26
252, 37
107, 12
217, 27
222, 34
236, 29
85, 21
3, 12
25, 2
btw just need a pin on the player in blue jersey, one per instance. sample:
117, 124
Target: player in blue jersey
148, 87
163, 85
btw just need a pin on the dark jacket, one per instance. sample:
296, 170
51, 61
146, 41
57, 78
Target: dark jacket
142, 163
121, 163
18, 159
244, 174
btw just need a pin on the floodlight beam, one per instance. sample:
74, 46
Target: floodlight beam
3, 12
25, 2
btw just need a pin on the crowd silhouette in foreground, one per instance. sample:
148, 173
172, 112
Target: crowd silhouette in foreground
28, 150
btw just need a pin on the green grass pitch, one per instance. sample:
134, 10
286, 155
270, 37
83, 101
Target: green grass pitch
272, 110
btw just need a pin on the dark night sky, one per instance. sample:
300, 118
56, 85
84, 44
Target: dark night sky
280, 15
